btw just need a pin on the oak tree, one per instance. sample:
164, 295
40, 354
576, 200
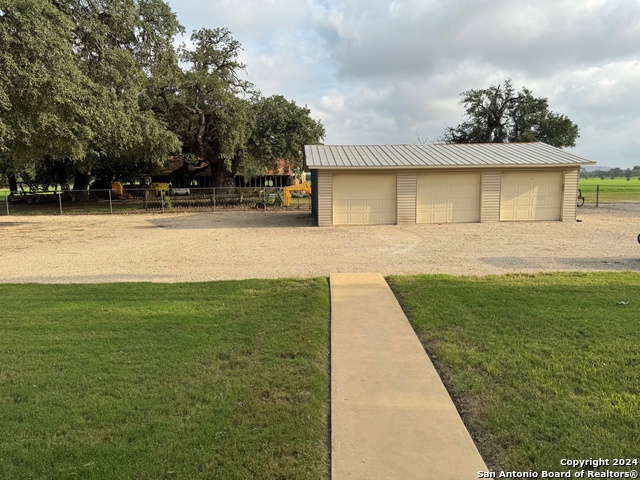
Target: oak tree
501, 114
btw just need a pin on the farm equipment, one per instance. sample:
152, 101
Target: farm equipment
283, 197
287, 191
31, 193
157, 189
274, 198
119, 192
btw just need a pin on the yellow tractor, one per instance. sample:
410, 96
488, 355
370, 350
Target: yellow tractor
158, 189
286, 192
283, 198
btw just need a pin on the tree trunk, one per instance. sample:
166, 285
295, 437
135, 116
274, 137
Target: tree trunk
222, 178
13, 184
219, 172
80, 187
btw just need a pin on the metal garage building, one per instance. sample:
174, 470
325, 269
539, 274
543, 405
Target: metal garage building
399, 184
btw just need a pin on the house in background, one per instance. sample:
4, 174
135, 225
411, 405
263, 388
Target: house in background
282, 176
456, 183
181, 174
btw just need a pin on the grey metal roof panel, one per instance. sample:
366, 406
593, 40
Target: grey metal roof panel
438, 155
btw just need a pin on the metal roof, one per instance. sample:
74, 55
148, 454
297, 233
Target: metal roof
439, 155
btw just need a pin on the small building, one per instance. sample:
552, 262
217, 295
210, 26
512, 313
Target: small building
448, 183
196, 173
282, 175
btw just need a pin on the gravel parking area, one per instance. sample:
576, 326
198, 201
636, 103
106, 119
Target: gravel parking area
251, 244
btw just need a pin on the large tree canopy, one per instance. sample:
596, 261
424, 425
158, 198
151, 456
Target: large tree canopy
222, 118
72, 74
97, 87
281, 130
501, 114
206, 104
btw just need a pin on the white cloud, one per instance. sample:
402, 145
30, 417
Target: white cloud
383, 71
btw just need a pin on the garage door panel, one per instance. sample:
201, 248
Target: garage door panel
356, 192
375, 193
531, 196
525, 202
364, 199
448, 198
460, 190
439, 217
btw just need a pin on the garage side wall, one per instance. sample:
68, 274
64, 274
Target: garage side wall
407, 194
490, 202
571, 179
314, 195
325, 199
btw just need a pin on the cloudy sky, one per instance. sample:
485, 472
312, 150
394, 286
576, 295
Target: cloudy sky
377, 71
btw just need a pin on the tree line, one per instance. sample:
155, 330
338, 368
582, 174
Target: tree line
611, 173
97, 88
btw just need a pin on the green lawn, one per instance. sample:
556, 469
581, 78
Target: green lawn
229, 380
611, 191
225, 380
542, 367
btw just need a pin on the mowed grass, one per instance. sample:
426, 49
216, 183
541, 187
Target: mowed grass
542, 367
611, 191
225, 380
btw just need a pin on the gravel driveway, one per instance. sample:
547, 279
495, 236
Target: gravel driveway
236, 245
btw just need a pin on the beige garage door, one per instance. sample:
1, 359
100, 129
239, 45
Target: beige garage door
448, 198
531, 196
364, 199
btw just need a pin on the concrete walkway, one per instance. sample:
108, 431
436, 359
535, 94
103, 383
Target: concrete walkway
391, 417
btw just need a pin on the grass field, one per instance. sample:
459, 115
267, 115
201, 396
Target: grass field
611, 191
225, 380
542, 367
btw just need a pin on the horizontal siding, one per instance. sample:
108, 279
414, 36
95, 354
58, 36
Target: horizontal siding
325, 199
407, 193
490, 197
570, 199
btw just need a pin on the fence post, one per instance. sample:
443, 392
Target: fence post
110, 204
162, 200
214, 199
60, 201
597, 194
6, 200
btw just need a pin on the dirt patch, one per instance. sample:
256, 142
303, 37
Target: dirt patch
236, 245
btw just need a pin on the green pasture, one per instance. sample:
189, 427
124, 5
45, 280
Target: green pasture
541, 367
610, 191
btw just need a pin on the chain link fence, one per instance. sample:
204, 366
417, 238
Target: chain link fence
134, 199
140, 199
